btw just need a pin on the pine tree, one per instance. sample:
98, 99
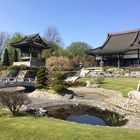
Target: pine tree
41, 78
15, 56
6, 58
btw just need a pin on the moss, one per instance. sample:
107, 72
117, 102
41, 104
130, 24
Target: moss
51, 91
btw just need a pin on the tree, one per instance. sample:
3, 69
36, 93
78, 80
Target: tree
41, 78
13, 101
77, 49
52, 35
15, 37
57, 82
15, 56
88, 61
4, 39
60, 63
55, 50
5, 61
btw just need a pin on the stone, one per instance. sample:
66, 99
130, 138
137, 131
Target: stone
134, 95
89, 85
68, 96
45, 95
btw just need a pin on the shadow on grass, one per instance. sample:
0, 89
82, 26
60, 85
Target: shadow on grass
7, 113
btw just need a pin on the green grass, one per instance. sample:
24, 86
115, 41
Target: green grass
123, 85
31, 128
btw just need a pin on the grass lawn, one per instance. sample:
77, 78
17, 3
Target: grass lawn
31, 128
119, 84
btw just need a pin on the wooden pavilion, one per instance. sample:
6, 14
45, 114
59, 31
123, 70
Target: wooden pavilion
120, 49
31, 47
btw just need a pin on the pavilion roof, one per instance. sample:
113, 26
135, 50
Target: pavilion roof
118, 43
33, 40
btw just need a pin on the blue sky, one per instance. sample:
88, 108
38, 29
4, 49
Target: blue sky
77, 20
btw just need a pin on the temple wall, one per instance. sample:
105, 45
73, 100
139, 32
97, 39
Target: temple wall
131, 56
27, 63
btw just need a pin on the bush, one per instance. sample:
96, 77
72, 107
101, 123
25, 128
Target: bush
13, 101
3, 68
24, 67
99, 80
13, 68
39, 86
6, 61
60, 63
76, 84
57, 82
41, 78
51, 91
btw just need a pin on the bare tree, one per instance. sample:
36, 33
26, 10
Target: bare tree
60, 63
4, 38
13, 101
52, 34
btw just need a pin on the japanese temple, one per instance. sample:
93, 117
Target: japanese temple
31, 47
121, 49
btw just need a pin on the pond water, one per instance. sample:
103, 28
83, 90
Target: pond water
86, 119
86, 114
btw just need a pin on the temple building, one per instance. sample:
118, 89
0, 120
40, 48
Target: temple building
121, 49
31, 47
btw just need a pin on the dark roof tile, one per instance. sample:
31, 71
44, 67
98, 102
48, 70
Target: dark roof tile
117, 43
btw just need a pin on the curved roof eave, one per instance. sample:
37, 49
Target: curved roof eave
107, 39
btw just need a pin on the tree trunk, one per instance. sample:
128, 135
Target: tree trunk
14, 113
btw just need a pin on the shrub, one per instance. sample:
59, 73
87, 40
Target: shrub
13, 68
51, 91
57, 82
6, 61
60, 63
76, 84
99, 80
15, 56
34, 68
24, 67
3, 68
39, 86
13, 101
41, 78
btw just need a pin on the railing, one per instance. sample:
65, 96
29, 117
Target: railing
5, 82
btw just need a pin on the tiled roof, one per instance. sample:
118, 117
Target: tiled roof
33, 40
119, 43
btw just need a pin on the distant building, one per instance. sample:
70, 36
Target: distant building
31, 47
120, 49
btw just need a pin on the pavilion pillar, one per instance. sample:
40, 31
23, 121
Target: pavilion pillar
102, 62
119, 61
138, 58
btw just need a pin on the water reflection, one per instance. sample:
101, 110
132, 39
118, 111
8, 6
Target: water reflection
86, 114
86, 119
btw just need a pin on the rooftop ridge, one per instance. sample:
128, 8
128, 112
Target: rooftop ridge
124, 32
32, 35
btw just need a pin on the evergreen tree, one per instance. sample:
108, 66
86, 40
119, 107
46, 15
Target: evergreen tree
6, 58
15, 56
41, 78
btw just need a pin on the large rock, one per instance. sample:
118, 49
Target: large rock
12, 89
134, 95
89, 85
98, 91
45, 95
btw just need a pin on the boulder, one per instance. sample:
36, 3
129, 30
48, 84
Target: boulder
134, 95
89, 85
